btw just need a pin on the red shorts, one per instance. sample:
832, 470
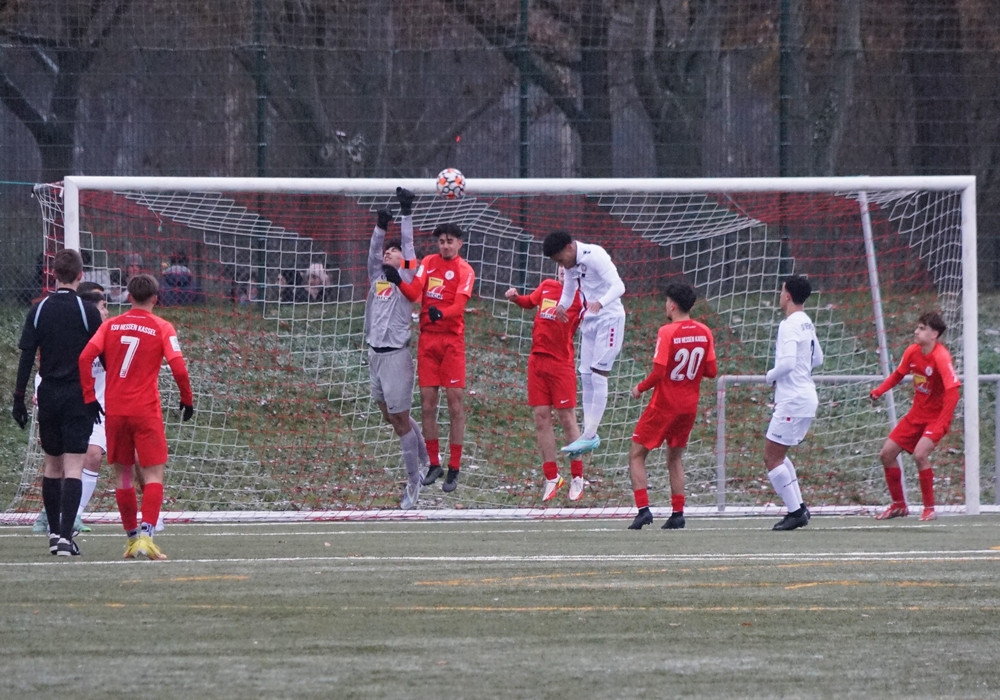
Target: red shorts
136, 437
656, 426
551, 382
441, 360
907, 434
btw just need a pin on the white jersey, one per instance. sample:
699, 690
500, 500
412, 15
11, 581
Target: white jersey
796, 354
597, 278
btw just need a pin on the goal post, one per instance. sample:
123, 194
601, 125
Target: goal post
284, 426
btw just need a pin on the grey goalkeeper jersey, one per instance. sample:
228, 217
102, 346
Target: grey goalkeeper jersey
388, 311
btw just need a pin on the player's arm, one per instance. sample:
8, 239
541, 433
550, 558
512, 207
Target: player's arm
786, 353
655, 376
414, 288
454, 309
91, 351
948, 403
571, 284
817, 354
893, 379
384, 218
607, 271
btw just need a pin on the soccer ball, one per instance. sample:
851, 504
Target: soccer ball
451, 183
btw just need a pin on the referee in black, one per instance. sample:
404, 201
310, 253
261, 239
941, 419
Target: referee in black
59, 326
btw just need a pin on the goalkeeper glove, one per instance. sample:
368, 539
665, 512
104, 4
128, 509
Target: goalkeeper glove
384, 219
434, 313
20, 411
95, 411
187, 410
405, 198
392, 274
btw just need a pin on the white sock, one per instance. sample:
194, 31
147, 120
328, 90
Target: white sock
89, 480
410, 445
598, 402
422, 448
781, 480
587, 398
796, 489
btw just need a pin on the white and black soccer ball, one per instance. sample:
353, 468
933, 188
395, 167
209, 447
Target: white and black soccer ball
451, 183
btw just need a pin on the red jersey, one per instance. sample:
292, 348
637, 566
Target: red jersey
933, 374
443, 282
685, 352
549, 335
134, 346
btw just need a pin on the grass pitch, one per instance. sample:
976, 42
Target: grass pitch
847, 607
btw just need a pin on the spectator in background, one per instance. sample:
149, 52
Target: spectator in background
99, 276
317, 285
290, 287
178, 287
133, 266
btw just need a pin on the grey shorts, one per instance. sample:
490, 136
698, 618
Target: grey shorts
392, 378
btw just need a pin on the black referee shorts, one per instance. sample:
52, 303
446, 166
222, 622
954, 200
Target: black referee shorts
64, 425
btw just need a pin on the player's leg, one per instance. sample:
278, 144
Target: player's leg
96, 450
675, 469
150, 446
52, 496
456, 434
76, 426
925, 472
571, 432
430, 380
784, 432
546, 438
637, 473
607, 346
903, 437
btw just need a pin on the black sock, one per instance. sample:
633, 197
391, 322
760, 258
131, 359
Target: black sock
72, 490
52, 500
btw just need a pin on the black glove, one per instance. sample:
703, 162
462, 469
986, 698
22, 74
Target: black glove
434, 313
392, 274
384, 219
405, 198
95, 410
20, 411
187, 410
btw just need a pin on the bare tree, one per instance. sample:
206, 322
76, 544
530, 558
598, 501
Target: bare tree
64, 46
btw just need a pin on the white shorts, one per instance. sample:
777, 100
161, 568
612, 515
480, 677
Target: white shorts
99, 437
788, 431
601, 339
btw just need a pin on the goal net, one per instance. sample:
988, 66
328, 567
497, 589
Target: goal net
284, 425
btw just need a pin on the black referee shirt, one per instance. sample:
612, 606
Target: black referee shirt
61, 330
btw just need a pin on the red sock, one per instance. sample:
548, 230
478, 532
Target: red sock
127, 508
677, 503
894, 480
434, 452
576, 467
641, 498
455, 456
152, 502
551, 470
927, 486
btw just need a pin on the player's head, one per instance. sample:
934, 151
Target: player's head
683, 295
559, 246
449, 238
933, 321
94, 293
798, 289
142, 289
392, 252
67, 266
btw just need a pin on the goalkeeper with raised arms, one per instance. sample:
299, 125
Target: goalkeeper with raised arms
387, 332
